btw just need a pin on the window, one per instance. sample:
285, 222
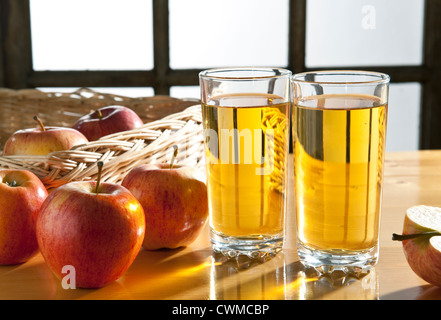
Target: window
213, 33
146, 47
376, 34
91, 35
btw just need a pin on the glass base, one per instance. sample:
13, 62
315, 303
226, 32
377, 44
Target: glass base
253, 247
327, 261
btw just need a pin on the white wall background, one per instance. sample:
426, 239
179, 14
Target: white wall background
117, 35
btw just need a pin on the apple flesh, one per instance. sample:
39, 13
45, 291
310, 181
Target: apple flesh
421, 241
96, 230
42, 140
174, 200
107, 120
21, 196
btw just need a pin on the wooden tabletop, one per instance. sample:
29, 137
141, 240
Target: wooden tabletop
411, 178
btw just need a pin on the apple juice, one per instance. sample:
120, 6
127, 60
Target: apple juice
246, 149
339, 143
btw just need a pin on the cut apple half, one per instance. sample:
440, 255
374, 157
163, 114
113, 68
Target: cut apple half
422, 242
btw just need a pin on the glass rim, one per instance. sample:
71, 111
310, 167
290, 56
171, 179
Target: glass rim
381, 78
277, 73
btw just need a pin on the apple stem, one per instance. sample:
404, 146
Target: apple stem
401, 237
175, 153
40, 123
98, 180
100, 115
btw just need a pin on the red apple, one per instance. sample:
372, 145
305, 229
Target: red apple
174, 201
107, 120
422, 242
21, 196
42, 140
96, 228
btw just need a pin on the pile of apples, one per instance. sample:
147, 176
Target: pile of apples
96, 227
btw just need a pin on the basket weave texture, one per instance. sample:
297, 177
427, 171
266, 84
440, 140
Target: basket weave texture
167, 122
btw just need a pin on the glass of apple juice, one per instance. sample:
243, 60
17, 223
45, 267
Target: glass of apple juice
245, 115
339, 135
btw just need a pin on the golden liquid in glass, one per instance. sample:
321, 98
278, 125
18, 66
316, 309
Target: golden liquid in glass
246, 150
339, 143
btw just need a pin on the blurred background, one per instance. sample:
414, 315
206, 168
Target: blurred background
157, 47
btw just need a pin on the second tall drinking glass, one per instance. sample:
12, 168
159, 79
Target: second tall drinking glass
339, 133
246, 123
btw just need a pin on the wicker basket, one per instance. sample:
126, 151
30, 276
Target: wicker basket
167, 122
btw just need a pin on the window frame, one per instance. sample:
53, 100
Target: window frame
16, 70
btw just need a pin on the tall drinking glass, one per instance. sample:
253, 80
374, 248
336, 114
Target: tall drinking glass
246, 124
339, 135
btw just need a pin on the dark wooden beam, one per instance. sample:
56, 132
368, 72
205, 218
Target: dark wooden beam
3, 19
181, 77
161, 46
297, 35
16, 38
430, 137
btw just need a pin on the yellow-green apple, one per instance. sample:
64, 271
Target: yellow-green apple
42, 140
107, 120
174, 201
95, 228
421, 241
21, 196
